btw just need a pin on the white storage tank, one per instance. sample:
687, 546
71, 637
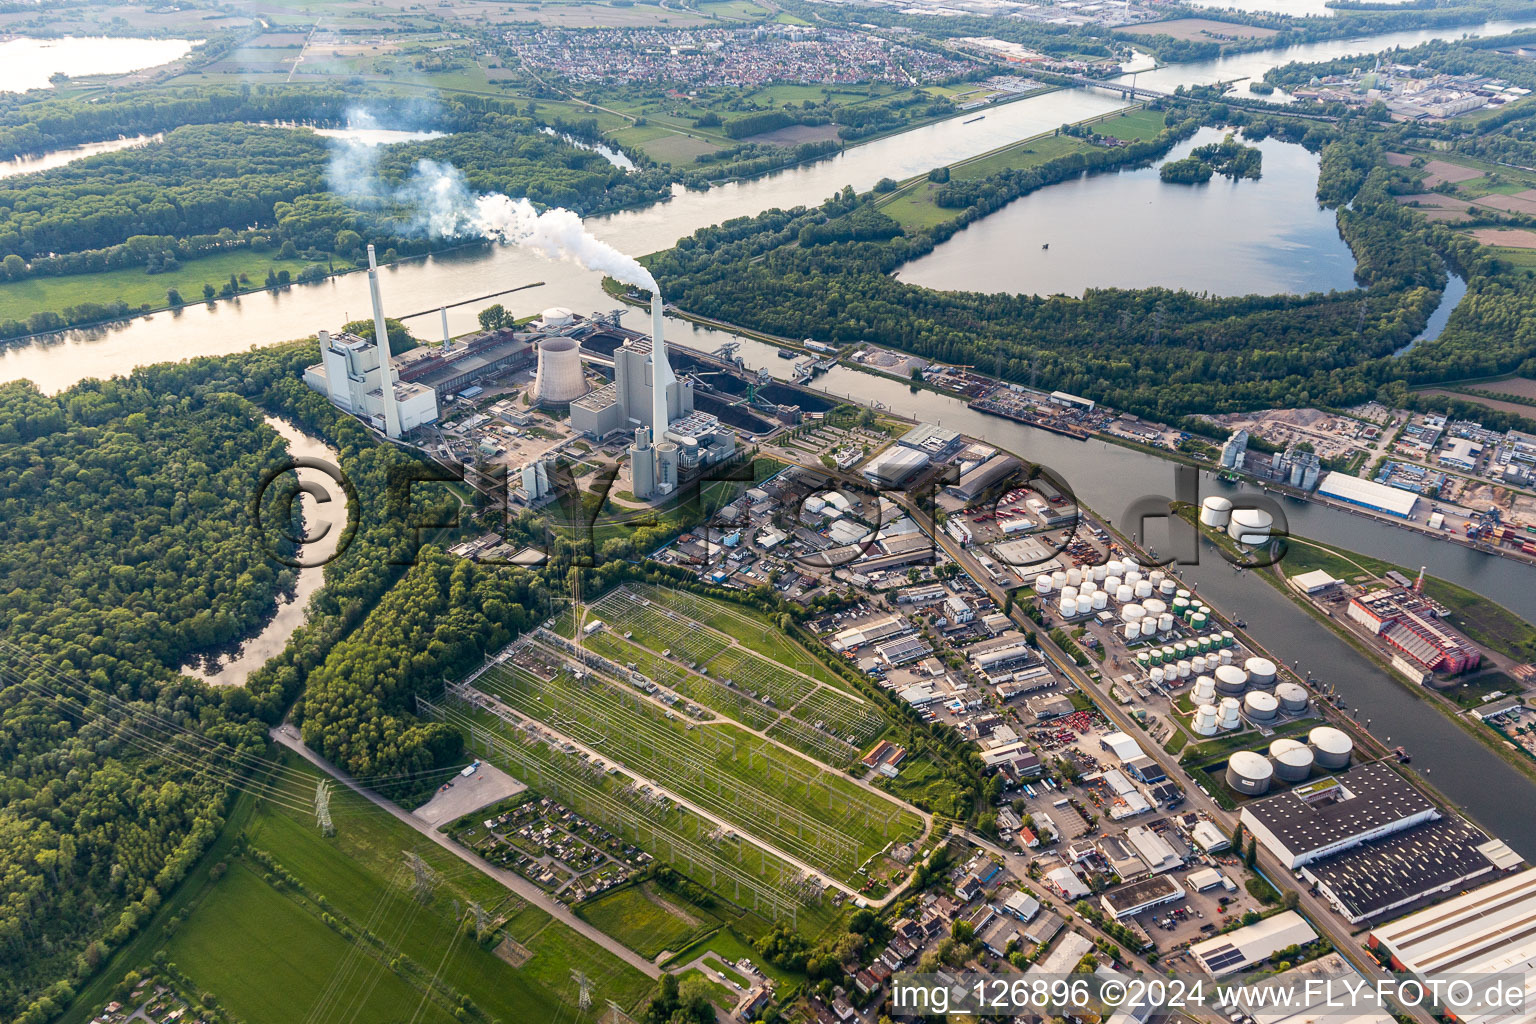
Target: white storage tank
1331, 746
1293, 697
1157, 675
1206, 717
1228, 716
1164, 622
1292, 760
1186, 595
1204, 691
1100, 600
1183, 670
1260, 705
1059, 578
1215, 512
1133, 576
1043, 583
1230, 680
1143, 589
1124, 594
1249, 773
1099, 572
1087, 587
1074, 575
1067, 605
1261, 671
1132, 613
1197, 664
1069, 591
1132, 630
1166, 588
1154, 606
1226, 656
1250, 526
1084, 604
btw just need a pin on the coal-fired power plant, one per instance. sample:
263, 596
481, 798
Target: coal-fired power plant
560, 379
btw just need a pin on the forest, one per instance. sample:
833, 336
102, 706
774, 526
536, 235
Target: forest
1160, 353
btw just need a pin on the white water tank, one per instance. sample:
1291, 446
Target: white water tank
1293, 697
1204, 691
1230, 680
1215, 511
1260, 705
1292, 760
1164, 622
1250, 526
1100, 600
1331, 746
1228, 716
1250, 773
560, 378
1261, 671
1206, 717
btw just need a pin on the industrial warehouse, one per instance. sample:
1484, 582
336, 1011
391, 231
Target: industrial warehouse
1330, 815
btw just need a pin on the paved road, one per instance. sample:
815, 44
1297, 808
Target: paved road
288, 736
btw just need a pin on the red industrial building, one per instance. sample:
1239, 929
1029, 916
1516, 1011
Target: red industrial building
1411, 624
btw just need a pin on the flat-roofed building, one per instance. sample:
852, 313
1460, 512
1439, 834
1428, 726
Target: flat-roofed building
1131, 899
1317, 819
1240, 949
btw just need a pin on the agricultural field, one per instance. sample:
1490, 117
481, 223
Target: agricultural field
806, 812
381, 948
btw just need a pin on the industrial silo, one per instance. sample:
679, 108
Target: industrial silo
1250, 526
1250, 773
1215, 512
1261, 672
1331, 746
1206, 717
1231, 681
1260, 706
1228, 716
1204, 691
1292, 760
560, 379
1293, 698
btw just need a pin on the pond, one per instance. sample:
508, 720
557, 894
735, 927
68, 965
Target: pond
1133, 230
30, 63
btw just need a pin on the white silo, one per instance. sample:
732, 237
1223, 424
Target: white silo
1206, 717
1164, 622
1215, 511
1250, 526
1100, 600
1043, 583
1331, 746
1261, 672
1293, 698
1292, 760
560, 379
1250, 773
1228, 716
1230, 680
1260, 705
1204, 691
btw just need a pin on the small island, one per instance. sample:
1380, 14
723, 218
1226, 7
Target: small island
1228, 157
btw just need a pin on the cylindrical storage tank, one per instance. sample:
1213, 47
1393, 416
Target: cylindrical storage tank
1186, 595
1143, 661
1059, 578
1164, 622
558, 316
1261, 671
1067, 605
1292, 760
1069, 591
1132, 630
1197, 664
1249, 773
1115, 567
1133, 613
1157, 675
1215, 512
1074, 575
1260, 706
1100, 600
1331, 746
559, 379
1225, 655
1113, 582
1124, 594
1166, 588
1206, 717
1205, 644
1227, 713
1157, 576
1179, 604
1143, 589
1230, 680
1167, 653
1084, 604
1197, 621
1184, 670
1292, 697
1154, 606
1099, 572
1204, 691
1043, 583
1250, 526
1181, 648
1157, 656
1133, 576
1087, 587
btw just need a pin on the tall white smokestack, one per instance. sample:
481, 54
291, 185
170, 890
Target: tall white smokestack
661, 373
447, 338
386, 363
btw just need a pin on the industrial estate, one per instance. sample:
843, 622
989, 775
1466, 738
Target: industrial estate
809, 512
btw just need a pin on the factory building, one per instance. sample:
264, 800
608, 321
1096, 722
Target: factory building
1368, 494
1131, 899
895, 466
934, 441
1318, 819
975, 483
1234, 454
1409, 623
1490, 930
1241, 949
1388, 874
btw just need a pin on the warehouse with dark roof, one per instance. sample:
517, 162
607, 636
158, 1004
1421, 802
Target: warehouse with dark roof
1315, 820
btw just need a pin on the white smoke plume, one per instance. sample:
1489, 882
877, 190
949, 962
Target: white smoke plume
436, 202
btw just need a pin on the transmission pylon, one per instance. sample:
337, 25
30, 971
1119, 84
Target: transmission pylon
584, 988
423, 878
323, 808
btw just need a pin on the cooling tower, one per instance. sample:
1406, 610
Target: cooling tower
560, 379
